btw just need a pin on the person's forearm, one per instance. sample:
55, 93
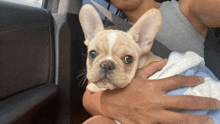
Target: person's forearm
91, 102
99, 120
208, 16
145, 101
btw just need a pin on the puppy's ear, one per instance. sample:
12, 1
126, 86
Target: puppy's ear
146, 28
91, 22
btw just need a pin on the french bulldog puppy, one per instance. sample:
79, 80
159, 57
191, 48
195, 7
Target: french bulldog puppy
113, 55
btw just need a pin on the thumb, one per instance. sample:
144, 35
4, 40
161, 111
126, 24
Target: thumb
151, 68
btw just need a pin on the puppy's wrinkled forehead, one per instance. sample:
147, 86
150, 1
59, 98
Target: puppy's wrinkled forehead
111, 40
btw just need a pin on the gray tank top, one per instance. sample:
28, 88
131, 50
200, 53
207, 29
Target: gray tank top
177, 33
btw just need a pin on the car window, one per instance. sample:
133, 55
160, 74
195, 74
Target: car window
35, 3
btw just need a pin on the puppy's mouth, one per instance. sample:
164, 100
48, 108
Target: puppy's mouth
105, 83
108, 81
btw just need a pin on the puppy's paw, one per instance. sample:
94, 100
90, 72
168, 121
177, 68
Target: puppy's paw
93, 88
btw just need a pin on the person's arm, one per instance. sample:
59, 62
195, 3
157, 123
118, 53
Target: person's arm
201, 13
91, 102
99, 120
207, 11
146, 101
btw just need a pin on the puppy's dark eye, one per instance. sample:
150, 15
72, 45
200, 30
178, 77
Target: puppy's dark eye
128, 59
92, 54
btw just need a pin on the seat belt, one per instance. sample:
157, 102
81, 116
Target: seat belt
158, 48
212, 44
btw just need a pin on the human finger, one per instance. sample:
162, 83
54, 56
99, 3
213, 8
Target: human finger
170, 117
178, 81
190, 102
151, 68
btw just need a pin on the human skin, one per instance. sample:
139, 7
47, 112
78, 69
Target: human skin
127, 108
201, 13
146, 101
99, 120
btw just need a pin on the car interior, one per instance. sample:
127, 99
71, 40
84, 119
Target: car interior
42, 54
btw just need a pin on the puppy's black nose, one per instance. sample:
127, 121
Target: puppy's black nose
107, 67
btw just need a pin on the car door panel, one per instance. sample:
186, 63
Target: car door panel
41, 57
16, 108
26, 55
27, 60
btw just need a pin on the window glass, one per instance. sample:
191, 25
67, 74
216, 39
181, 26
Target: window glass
35, 3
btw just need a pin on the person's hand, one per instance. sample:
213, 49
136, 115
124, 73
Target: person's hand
146, 102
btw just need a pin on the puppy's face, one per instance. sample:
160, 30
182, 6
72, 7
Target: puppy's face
113, 55
112, 59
